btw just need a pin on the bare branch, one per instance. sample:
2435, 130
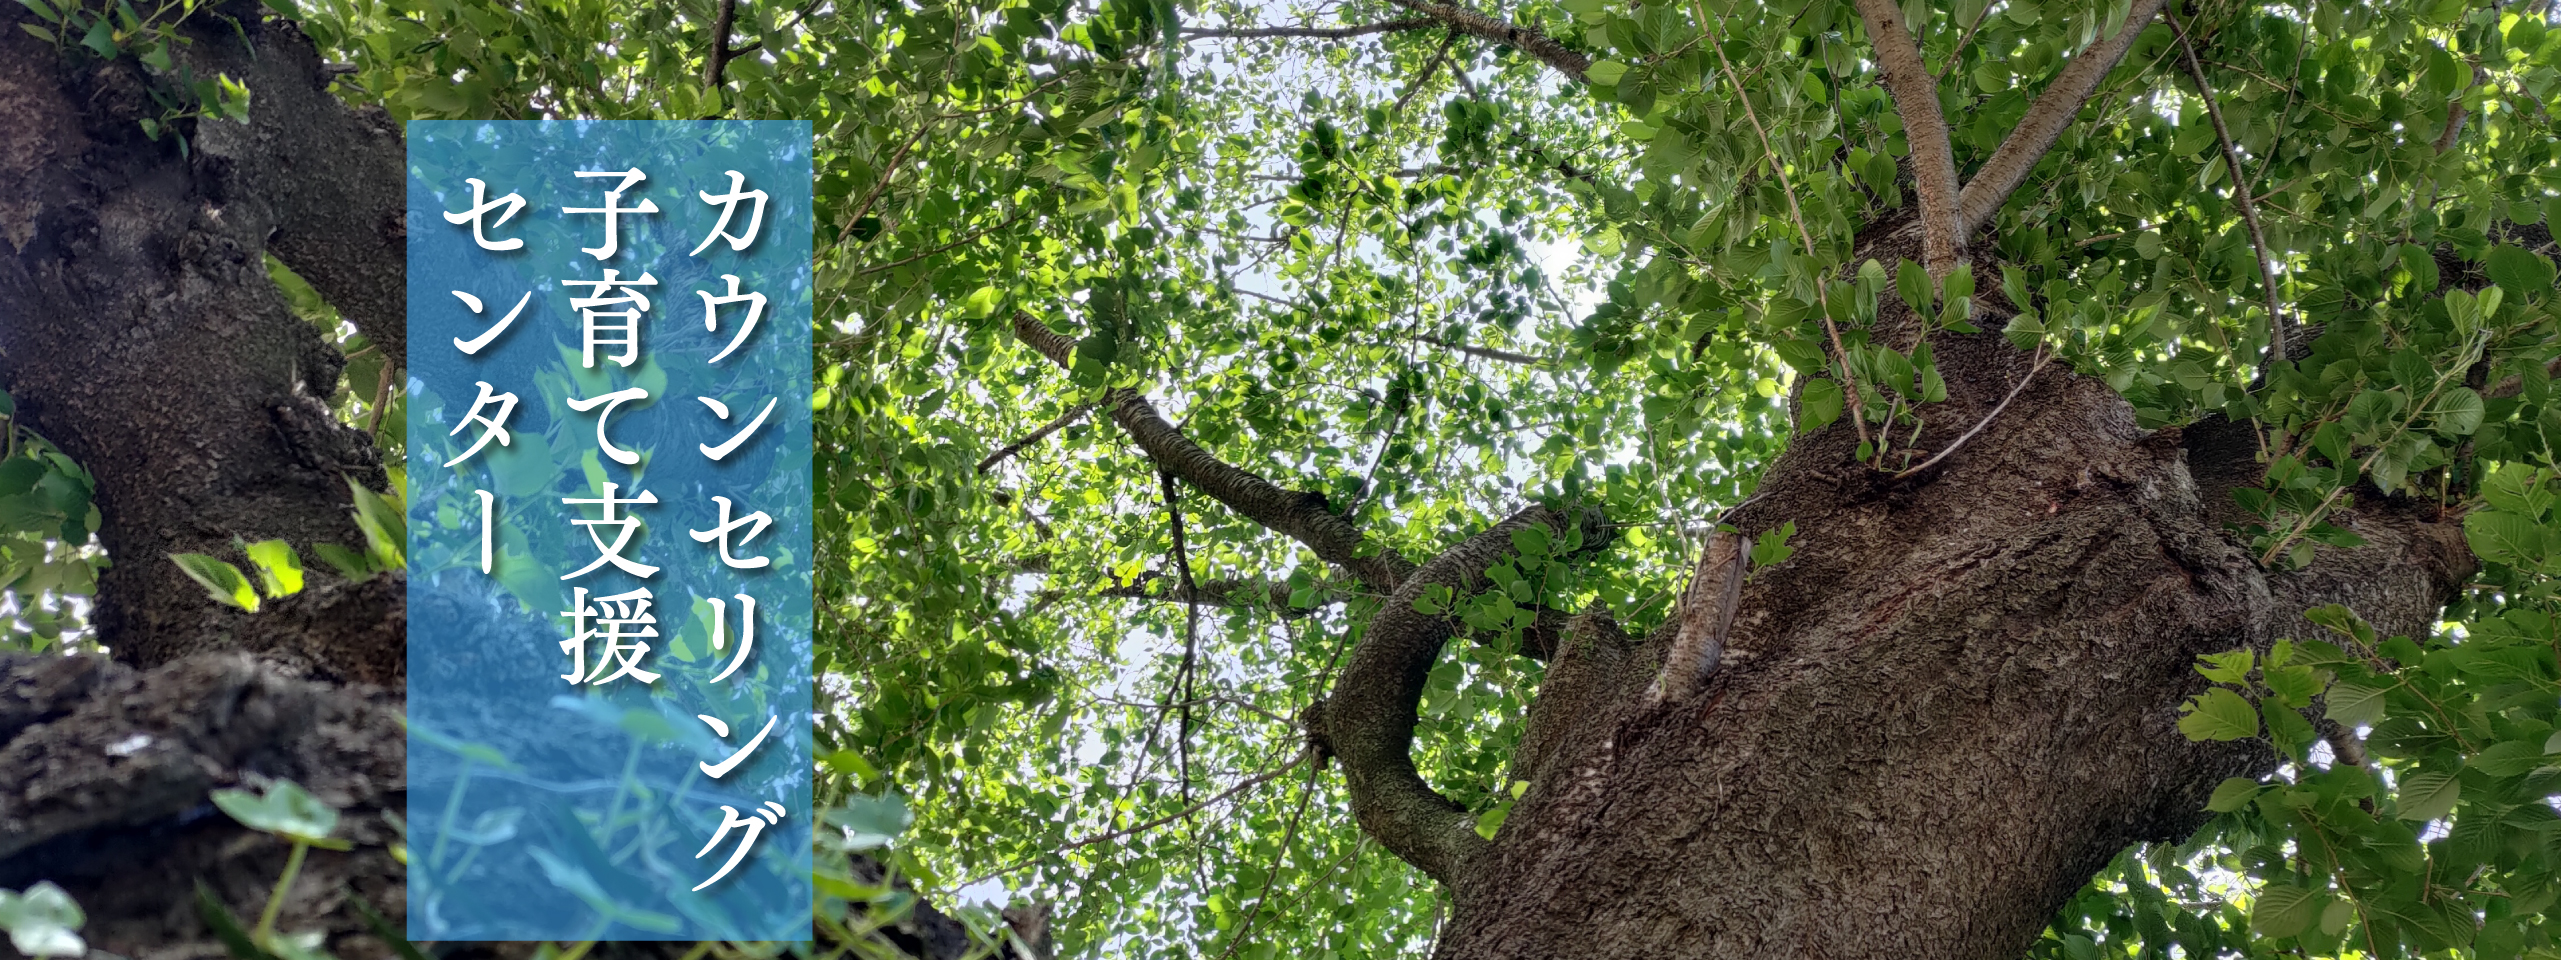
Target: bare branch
1302, 516
718, 61
1916, 100
964, 238
1073, 414
1483, 27
2045, 121
2240, 197
2041, 360
1315, 33
1241, 786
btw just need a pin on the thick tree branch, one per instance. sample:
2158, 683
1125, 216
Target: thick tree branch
1483, 27
1302, 516
2046, 120
1369, 719
718, 60
1314, 33
1916, 100
330, 177
2240, 196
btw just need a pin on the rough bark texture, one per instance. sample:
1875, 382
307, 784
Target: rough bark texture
138, 328
111, 772
1950, 707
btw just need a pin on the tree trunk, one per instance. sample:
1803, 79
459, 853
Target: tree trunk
1948, 709
139, 330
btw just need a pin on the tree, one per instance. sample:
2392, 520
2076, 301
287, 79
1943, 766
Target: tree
1201, 377
204, 298
178, 379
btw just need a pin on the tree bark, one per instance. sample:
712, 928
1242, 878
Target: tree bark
1950, 707
141, 331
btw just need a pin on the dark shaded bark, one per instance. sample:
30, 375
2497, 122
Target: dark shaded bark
111, 772
138, 328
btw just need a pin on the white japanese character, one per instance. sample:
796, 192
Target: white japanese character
473, 345
609, 402
496, 426
721, 730
728, 204
771, 813
613, 209
612, 553
746, 632
711, 313
755, 523
615, 619
488, 527
721, 410
480, 209
595, 331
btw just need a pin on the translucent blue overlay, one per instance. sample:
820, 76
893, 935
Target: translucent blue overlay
550, 799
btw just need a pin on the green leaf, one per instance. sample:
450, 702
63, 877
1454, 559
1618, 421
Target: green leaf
1913, 284
2509, 758
374, 921
2428, 796
2023, 331
2520, 270
1606, 72
2283, 911
2504, 538
285, 810
2354, 705
2232, 667
43, 921
869, 821
226, 927
2232, 794
354, 566
386, 531
2219, 714
279, 570
2458, 412
1819, 406
222, 581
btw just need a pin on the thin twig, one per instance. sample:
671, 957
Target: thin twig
1183, 676
1957, 56
965, 238
1241, 786
1488, 353
381, 398
2240, 197
2041, 360
1306, 792
1315, 33
1769, 154
1053, 426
